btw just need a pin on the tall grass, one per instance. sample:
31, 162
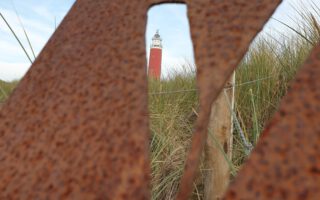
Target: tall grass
262, 79
274, 63
172, 117
18, 39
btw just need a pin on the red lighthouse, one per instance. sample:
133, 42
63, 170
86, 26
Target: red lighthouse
155, 57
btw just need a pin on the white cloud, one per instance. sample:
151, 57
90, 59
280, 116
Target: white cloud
11, 50
44, 12
287, 13
12, 71
171, 64
14, 62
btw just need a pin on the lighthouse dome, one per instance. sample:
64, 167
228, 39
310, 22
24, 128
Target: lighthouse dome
156, 41
157, 36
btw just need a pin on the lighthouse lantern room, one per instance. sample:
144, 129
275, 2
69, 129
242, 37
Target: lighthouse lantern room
155, 56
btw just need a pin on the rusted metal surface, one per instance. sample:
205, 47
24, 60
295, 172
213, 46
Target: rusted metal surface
286, 162
221, 33
77, 125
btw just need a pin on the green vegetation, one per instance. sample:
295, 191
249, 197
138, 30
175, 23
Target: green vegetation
172, 117
6, 89
262, 79
17, 38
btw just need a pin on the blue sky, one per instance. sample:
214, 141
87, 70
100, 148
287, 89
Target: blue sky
39, 19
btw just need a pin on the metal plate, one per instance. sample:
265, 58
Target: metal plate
76, 127
286, 162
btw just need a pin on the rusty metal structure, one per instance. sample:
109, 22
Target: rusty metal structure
76, 127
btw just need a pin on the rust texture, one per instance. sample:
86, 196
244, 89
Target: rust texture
286, 162
76, 127
221, 32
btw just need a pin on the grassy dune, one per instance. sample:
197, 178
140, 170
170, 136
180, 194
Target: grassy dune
262, 79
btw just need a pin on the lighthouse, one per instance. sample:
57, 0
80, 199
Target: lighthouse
155, 57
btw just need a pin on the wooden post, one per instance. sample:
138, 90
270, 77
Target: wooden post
219, 144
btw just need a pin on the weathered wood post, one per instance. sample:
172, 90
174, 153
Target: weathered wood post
219, 144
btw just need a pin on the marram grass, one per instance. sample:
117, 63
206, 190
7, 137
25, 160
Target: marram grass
262, 79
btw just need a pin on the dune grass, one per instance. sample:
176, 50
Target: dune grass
262, 79
172, 117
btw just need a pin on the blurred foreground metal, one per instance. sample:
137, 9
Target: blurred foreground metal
77, 125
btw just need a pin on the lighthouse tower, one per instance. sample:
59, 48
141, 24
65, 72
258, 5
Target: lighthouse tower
155, 57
